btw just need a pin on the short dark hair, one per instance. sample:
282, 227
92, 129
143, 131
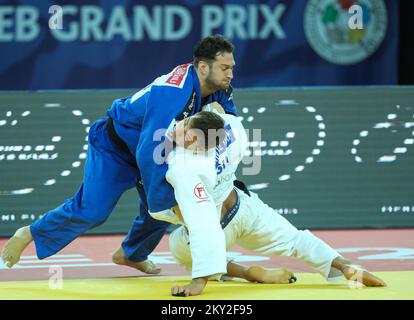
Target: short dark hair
211, 126
209, 47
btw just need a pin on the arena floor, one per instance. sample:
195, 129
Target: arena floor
87, 272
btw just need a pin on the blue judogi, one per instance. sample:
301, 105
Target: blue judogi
111, 170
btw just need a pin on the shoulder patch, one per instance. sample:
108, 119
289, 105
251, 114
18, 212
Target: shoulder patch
178, 74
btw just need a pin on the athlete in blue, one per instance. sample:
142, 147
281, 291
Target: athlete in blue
124, 152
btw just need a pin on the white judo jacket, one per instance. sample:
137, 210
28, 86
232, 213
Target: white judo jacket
201, 183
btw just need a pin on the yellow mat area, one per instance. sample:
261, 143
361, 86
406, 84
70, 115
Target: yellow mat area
310, 286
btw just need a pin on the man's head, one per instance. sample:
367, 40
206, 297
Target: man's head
202, 131
214, 62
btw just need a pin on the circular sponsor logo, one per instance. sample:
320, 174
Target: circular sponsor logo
199, 192
330, 31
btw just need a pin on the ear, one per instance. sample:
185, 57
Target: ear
203, 67
190, 141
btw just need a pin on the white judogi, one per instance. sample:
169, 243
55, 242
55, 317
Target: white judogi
258, 228
200, 192
255, 226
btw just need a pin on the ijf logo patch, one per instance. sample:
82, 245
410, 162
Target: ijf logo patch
326, 24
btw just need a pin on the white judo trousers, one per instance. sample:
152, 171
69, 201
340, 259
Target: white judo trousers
257, 227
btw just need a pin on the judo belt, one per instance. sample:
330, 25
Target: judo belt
240, 185
231, 212
114, 136
228, 216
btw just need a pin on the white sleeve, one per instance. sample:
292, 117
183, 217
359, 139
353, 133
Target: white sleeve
236, 150
207, 241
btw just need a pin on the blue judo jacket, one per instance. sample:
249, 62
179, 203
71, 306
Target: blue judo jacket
175, 95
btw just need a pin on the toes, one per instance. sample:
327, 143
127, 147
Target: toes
7, 258
179, 292
152, 268
8, 261
288, 273
290, 276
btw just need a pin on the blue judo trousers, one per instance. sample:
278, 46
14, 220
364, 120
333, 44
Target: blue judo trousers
111, 169
109, 172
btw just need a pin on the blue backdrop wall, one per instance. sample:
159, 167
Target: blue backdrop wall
126, 44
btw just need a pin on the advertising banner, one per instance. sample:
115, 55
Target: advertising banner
126, 44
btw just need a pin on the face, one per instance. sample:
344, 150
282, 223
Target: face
220, 74
182, 134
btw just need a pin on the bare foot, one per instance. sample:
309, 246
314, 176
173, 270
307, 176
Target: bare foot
147, 266
264, 275
357, 273
15, 245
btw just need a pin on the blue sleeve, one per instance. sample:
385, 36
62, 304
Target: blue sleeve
225, 98
164, 104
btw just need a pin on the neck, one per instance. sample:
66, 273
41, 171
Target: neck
205, 90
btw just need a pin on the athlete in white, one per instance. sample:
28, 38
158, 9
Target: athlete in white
203, 185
